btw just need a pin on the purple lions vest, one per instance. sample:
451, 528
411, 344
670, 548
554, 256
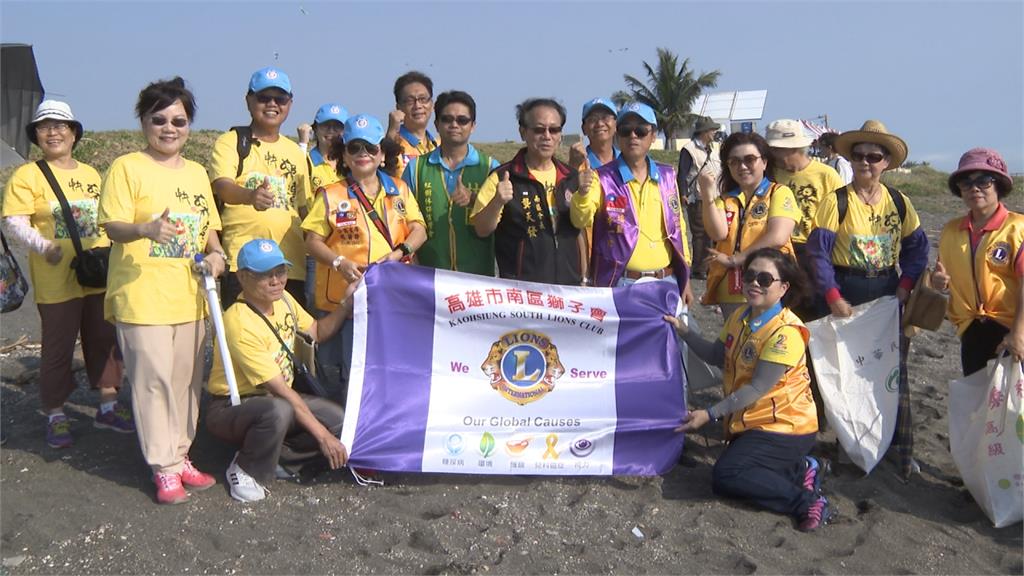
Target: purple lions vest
616, 231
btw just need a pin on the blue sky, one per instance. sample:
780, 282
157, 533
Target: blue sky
946, 76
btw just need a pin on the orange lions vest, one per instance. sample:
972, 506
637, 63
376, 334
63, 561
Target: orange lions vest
350, 232
788, 408
987, 274
745, 226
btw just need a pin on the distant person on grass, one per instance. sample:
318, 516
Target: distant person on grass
768, 413
981, 262
272, 419
32, 214
264, 194
445, 183
696, 157
525, 203
827, 146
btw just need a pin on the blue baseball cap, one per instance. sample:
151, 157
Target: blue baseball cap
329, 112
598, 103
269, 77
363, 127
645, 112
260, 255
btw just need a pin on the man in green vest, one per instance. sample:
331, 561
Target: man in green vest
445, 183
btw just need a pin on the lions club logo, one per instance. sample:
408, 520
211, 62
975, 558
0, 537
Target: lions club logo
999, 253
760, 209
523, 366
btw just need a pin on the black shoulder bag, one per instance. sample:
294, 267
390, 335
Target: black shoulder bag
302, 379
90, 266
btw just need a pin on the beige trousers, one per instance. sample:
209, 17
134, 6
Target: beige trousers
164, 365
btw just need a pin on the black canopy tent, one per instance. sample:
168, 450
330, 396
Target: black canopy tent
21, 93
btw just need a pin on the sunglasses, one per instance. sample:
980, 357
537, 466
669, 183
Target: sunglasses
982, 182
357, 147
871, 158
748, 160
267, 98
450, 119
540, 130
177, 122
638, 131
762, 279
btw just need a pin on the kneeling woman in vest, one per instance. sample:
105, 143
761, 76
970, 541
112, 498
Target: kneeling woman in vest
366, 217
768, 411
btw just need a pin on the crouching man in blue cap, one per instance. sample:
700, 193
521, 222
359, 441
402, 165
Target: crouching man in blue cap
272, 420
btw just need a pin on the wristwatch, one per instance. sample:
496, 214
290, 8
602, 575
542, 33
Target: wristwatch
406, 250
337, 262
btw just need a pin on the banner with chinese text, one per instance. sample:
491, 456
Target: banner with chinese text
467, 374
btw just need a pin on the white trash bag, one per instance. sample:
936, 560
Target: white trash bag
857, 364
986, 437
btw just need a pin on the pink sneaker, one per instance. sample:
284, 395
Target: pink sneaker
193, 479
169, 489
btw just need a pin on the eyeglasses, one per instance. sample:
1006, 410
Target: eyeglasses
460, 120
982, 182
640, 131
748, 160
599, 116
762, 279
279, 272
870, 158
58, 127
279, 100
411, 100
540, 130
331, 127
357, 147
177, 122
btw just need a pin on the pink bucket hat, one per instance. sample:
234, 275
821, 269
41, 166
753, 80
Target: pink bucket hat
984, 159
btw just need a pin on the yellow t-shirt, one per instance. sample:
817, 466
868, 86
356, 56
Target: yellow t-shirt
870, 236
316, 221
284, 164
489, 188
29, 194
782, 205
323, 175
151, 283
256, 354
425, 146
809, 186
650, 216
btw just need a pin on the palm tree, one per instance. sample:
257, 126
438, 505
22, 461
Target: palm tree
671, 90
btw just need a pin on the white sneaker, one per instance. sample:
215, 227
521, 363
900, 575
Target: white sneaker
244, 488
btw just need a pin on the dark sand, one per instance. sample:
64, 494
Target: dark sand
90, 509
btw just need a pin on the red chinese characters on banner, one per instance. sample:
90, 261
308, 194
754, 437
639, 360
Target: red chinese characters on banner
556, 302
494, 296
515, 296
455, 304
474, 299
996, 449
597, 314
534, 298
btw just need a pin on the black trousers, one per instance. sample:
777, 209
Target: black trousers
767, 469
978, 344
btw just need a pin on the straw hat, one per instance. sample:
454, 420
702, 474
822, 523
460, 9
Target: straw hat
873, 132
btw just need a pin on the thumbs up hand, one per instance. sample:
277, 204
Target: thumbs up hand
160, 230
940, 279
262, 198
504, 191
461, 195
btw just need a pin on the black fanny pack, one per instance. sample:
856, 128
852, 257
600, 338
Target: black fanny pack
90, 266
